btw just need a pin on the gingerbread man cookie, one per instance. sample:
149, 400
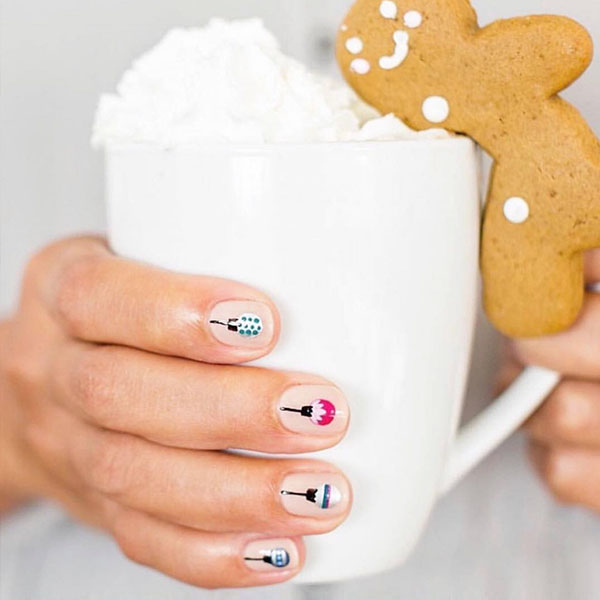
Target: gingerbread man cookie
430, 63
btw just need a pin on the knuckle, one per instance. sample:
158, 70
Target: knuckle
94, 383
35, 437
564, 410
129, 543
110, 467
23, 372
45, 263
72, 285
554, 475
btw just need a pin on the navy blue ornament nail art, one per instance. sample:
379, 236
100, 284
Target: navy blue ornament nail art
278, 557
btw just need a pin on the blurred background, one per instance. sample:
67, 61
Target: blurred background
498, 536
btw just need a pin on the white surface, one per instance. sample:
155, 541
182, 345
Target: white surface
497, 536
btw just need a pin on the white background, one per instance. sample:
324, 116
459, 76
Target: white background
497, 537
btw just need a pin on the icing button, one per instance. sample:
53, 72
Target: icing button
360, 66
516, 210
388, 9
436, 109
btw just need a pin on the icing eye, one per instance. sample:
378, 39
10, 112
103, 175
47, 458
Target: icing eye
388, 9
354, 45
516, 210
360, 66
413, 19
436, 109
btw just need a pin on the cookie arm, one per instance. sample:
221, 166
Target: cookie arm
540, 53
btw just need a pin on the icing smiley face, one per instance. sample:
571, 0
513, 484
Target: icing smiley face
354, 44
396, 42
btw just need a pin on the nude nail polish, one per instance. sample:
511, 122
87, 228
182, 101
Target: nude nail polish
271, 555
314, 410
242, 323
322, 495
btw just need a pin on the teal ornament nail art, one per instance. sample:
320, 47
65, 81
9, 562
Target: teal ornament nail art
247, 325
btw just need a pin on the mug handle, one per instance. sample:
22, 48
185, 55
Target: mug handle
495, 424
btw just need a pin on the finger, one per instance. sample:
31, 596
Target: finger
100, 298
508, 372
210, 491
592, 266
571, 473
183, 403
575, 352
206, 560
571, 415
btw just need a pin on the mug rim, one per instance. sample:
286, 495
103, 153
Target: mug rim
278, 147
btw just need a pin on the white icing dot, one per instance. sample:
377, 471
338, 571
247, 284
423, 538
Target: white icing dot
360, 66
516, 210
344, 27
354, 45
413, 19
400, 52
388, 9
436, 109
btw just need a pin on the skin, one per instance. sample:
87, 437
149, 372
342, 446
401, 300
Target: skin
114, 406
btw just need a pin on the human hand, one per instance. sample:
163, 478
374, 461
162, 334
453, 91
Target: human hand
120, 396
565, 432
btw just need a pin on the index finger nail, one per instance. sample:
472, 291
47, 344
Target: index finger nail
242, 323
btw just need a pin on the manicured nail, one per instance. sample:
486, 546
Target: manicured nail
242, 323
270, 555
314, 410
315, 494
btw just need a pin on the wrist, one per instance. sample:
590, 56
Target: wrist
16, 481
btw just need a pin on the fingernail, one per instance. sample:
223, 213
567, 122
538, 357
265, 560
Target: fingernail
314, 410
321, 495
242, 323
271, 555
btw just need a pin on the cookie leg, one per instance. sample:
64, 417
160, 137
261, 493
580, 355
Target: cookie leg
530, 292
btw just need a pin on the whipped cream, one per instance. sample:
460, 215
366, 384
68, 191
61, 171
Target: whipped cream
230, 82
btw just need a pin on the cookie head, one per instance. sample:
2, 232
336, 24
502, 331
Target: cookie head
395, 54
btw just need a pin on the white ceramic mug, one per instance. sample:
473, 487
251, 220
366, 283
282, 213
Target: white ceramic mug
370, 250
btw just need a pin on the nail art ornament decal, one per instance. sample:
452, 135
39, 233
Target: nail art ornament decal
278, 557
320, 412
247, 325
325, 496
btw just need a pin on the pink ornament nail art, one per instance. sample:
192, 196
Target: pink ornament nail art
321, 412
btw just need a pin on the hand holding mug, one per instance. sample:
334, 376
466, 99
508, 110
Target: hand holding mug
565, 431
114, 405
